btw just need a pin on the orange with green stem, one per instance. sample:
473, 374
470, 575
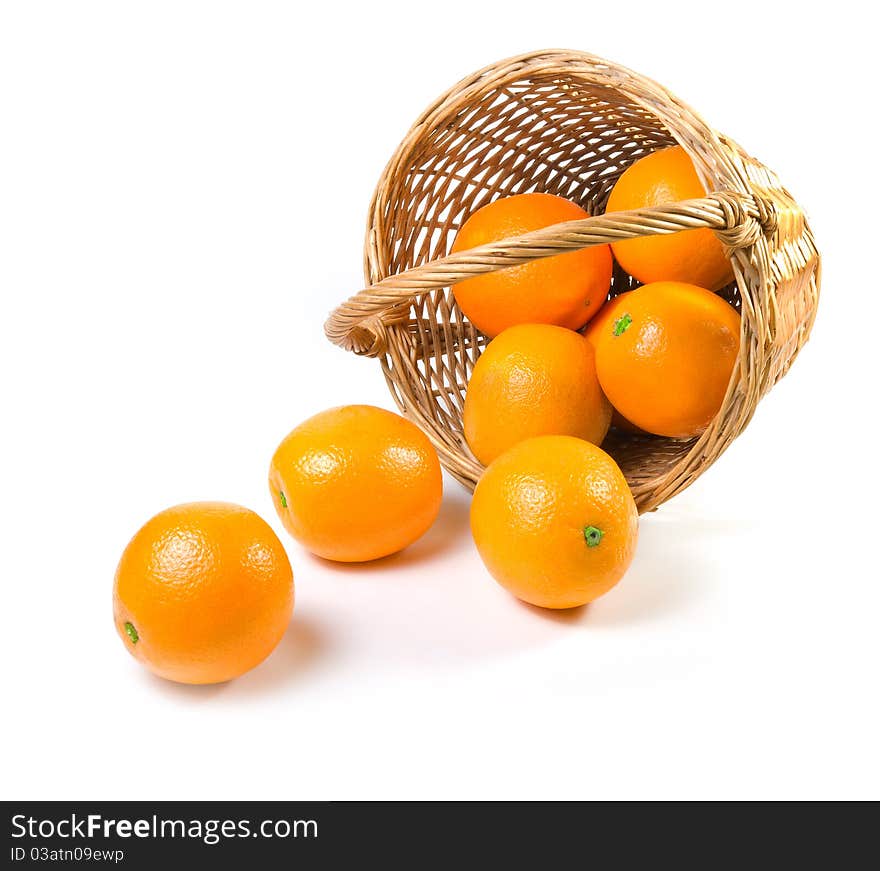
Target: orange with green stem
554, 521
203, 592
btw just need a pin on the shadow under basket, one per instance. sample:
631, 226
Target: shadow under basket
567, 123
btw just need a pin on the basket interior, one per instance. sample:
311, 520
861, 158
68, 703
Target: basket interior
560, 136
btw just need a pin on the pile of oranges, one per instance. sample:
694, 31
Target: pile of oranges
204, 591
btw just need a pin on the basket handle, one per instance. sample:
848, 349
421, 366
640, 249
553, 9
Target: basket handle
359, 324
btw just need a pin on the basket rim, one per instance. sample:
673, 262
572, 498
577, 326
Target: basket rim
726, 175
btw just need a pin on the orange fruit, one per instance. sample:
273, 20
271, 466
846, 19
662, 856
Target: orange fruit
566, 290
533, 379
356, 483
203, 592
554, 521
692, 256
665, 353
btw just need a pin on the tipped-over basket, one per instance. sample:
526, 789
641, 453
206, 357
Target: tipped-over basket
567, 123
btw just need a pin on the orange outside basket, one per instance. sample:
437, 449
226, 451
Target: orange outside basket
567, 123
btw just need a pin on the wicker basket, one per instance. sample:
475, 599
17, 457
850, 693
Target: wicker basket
567, 123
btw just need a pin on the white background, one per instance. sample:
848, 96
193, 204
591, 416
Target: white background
183, 189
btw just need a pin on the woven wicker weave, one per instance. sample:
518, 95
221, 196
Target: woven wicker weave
567, 123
